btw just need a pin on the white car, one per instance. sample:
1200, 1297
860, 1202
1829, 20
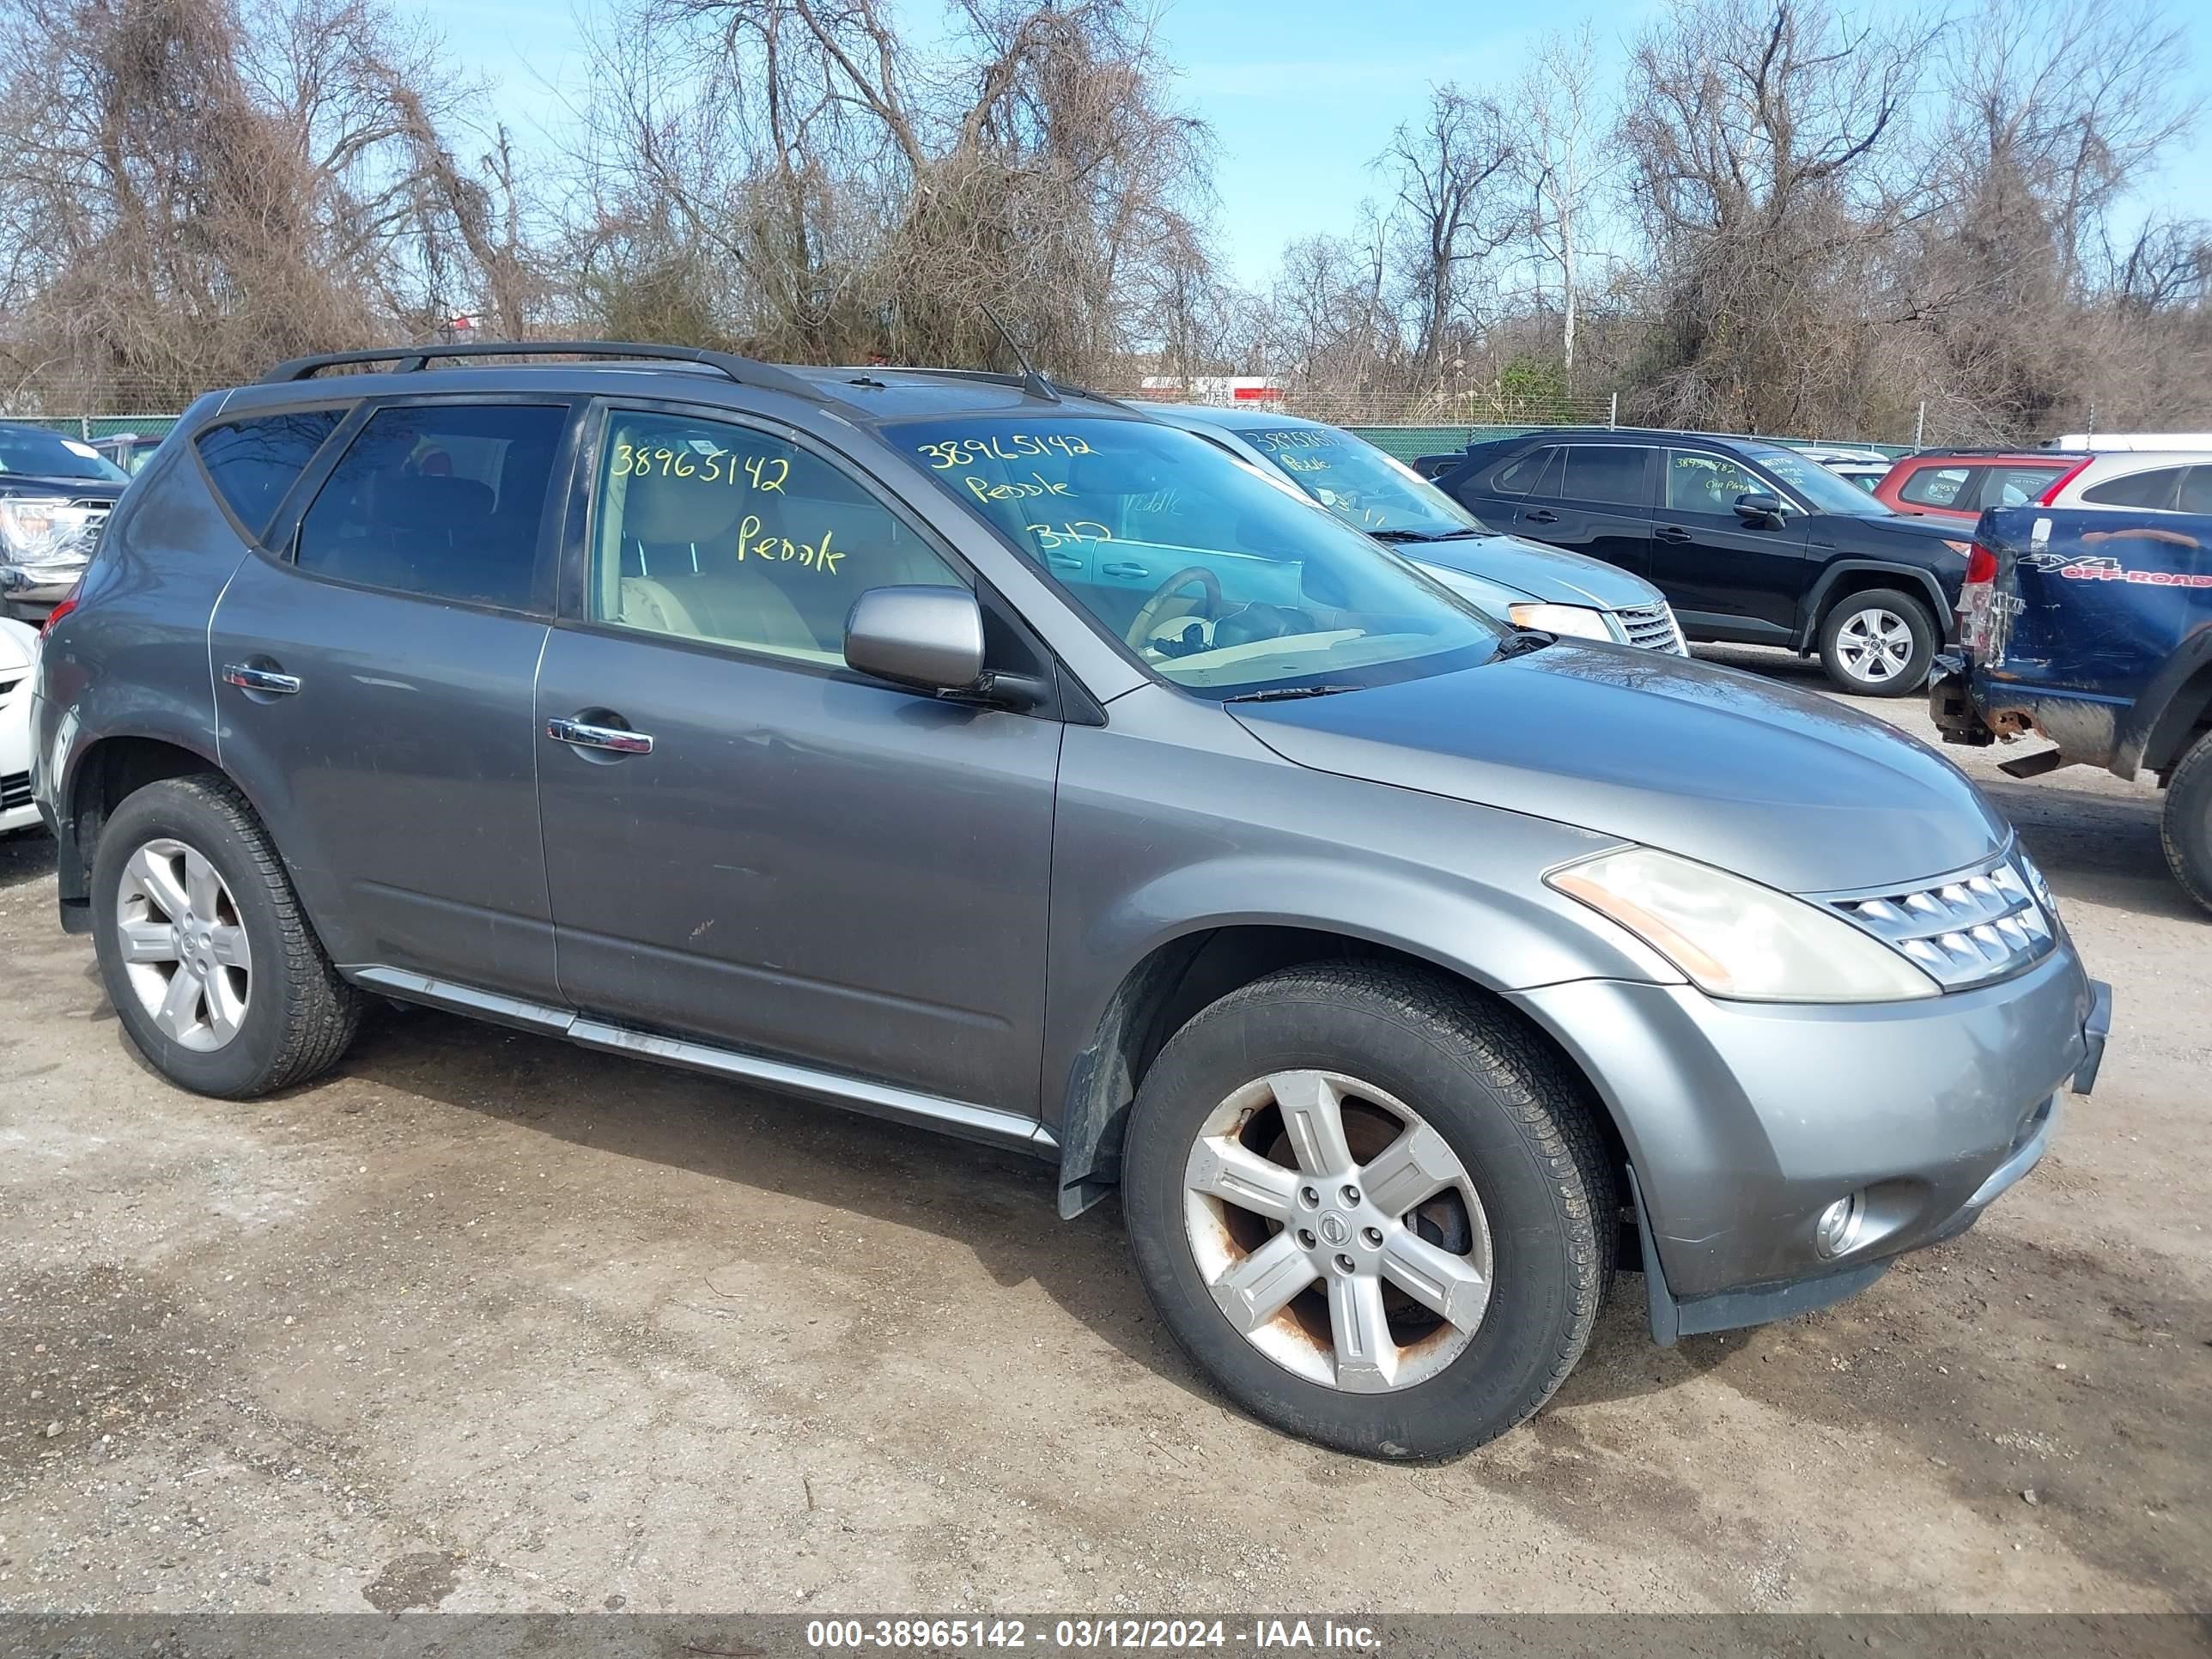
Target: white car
2165, 481
19, 654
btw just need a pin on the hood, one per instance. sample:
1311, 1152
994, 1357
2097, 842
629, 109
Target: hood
1781, 785
1549, 573
77, 489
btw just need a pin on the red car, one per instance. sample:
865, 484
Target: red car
1958, 484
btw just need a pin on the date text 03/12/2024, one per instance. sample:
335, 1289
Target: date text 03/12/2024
1261, 1635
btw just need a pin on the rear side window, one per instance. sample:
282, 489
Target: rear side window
2018, 486
1937, 486
1605, 472
254, 461
442, 501
2153, 488
2196, 490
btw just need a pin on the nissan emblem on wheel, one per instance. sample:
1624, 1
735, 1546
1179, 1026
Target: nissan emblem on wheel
976, 753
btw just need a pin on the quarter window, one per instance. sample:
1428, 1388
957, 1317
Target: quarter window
444, 500
1937, 486
254, 461
710, 530
1699, 481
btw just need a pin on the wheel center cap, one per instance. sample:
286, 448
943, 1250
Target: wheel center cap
1333, 1228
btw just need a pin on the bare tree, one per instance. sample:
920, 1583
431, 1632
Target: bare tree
193, 188
1449, 172
1770, 173
1561, 165
866, 201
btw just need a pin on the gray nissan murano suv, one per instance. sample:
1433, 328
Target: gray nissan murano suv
979, 753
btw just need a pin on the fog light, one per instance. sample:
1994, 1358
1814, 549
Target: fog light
1837, 1230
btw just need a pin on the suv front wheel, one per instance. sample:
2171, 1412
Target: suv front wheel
1878, 644
1376, 1212
206, 953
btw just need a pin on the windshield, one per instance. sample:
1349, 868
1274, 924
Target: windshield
1817, 484
1219, 579
50, 455
1361, 484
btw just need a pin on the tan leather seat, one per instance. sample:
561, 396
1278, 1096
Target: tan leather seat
743, 607
721, 599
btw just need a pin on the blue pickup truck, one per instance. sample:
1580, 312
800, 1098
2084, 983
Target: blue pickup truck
2093, 627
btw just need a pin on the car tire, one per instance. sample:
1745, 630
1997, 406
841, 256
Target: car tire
1428, 1078
236, 1002
1879, 643
2185, 823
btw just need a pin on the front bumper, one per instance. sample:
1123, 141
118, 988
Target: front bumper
1744, 1120
29, 591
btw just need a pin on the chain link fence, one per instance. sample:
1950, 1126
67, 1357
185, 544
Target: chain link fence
86, 428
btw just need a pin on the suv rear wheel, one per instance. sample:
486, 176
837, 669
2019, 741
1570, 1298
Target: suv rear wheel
2184, 825
1377, 1212
206, 953
1879, 643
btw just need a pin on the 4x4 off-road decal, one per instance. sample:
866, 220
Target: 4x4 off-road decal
2107, 567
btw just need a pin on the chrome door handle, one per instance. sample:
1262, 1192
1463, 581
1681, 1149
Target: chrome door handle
1131, 572
247, 678
1670, 533
620, 740
1543, 515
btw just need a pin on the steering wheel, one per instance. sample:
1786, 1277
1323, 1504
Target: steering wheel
1153, 612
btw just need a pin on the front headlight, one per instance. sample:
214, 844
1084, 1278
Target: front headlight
1575, 620
31, 526
1733, 937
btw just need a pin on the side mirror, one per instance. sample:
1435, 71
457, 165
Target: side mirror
1759, 507
928, 638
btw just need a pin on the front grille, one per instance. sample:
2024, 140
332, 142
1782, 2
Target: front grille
1966, 929
1651, 627
94, 521
15, 791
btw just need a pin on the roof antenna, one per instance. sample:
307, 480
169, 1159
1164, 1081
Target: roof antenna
1032, 382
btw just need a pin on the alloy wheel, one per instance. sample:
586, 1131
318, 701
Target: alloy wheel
183, 944
1875, 646
1337, 1230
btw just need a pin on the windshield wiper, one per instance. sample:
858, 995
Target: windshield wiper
1285, 693
1426, 535
1521, 641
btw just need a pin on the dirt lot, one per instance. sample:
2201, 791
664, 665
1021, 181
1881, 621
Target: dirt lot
485, 1322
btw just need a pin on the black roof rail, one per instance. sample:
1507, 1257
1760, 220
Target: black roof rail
410, 358
1051, 390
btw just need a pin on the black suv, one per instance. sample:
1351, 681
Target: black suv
1749, 541
55, 496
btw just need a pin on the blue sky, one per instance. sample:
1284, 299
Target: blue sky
1302, 94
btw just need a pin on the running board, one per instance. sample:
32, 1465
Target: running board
986, 1124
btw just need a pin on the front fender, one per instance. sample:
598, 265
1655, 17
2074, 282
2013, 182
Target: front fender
1156, 846
1909, 577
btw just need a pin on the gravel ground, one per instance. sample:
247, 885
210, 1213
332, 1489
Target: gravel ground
483, 1321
